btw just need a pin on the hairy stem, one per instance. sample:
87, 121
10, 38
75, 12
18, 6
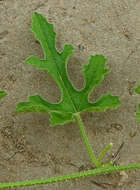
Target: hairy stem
94, 172
85, 139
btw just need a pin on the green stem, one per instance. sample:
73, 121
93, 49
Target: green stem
103, 153
85, 139
94, 172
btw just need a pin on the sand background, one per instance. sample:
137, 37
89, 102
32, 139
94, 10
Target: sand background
29, 147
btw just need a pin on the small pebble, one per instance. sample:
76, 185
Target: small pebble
124, 178
117, 126
37, 41
132, 134
81, 47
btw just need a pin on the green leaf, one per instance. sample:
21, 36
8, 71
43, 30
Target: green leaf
2, 94
96, 67
61, 118
55, 63
137, 90
35, 104
138, 113
105, 102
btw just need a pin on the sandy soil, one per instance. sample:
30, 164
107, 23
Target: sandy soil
29, 147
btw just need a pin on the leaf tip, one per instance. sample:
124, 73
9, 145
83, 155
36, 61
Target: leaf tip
36, 14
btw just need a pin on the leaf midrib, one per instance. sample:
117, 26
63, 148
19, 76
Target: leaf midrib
54, 58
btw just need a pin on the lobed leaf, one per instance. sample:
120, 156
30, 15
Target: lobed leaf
55, 63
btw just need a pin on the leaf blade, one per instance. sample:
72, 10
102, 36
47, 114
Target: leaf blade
94, 72
137, 90
60, 118
2, 94
104, 103
35, 104
138, 114
55, 63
